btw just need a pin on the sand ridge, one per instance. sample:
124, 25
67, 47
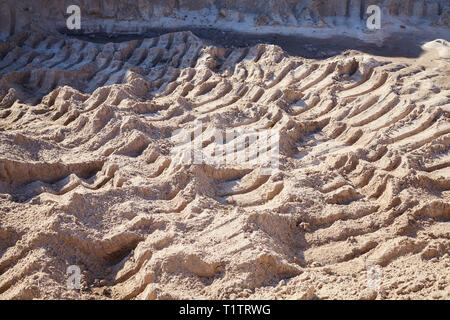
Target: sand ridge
87, 177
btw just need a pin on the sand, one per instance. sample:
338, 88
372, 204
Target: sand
359, 208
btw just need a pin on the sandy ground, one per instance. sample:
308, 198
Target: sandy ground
397, 44
359, 209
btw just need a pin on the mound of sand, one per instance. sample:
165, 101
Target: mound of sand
440, 46
88, 177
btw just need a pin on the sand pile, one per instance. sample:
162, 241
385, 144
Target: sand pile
88, 177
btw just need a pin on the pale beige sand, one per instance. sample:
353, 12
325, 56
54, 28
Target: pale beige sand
87, 177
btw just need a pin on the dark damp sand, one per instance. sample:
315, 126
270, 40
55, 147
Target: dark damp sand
400, 44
